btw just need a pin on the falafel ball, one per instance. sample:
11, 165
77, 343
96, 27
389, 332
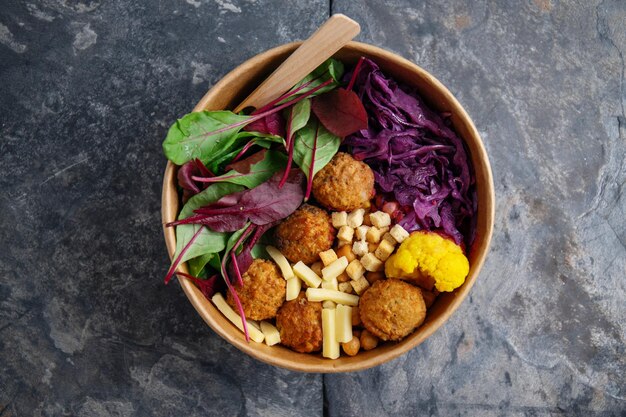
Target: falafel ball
344, 184
300, 324
391, 309
263, 290
304, 234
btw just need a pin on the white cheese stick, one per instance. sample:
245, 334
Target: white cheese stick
281, 261
307, 275
330, 345
343, 323
225, 309
323, 294
332, 284
294, 285
271, 333
335, 269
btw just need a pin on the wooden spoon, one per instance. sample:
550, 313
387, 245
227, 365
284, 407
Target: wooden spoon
337, 31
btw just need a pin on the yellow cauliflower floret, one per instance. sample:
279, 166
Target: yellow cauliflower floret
429, 254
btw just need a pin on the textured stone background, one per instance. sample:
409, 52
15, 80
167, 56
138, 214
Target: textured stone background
87, 91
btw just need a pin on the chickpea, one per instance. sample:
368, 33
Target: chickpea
372, 277
429, 297
346, 251
356, 333
351, 348
368, 340
317, 267
343, 277
356, 317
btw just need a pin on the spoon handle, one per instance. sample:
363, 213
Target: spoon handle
337, 31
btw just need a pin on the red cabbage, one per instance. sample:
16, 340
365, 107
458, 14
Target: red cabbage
417, 158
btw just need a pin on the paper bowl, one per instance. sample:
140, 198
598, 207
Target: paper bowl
231, 90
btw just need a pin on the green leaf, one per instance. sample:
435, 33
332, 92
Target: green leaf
234, 237
259, 172
224, 157
298, 115
200, 134
314, 135
208, 241
196, 265
330, 68
258, 252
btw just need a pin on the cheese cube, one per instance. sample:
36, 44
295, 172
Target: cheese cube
371, 263
355, 219
388, 237
345, 233
339, 219
398, 233
361, 232
330, 345
226, 310
331, 284
322, 294
335, 269
355, 270
281, 261
343, 322
272, 335
307, 275
360, 248
360, 285
380, 219
328, 257
373, 235
294, 285
384, 250
346, 287
329, 304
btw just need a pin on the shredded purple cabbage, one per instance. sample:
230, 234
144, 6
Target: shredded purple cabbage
418, 161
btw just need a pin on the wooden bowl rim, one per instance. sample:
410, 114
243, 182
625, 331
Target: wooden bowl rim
308, 362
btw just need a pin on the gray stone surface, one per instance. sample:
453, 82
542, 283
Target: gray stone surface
87, 91
543, 332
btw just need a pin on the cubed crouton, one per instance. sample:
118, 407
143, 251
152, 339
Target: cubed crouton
389, 238
371, 263
361, 232
346, 287
355, 219
360, 285
345, 233
384, 250
328, 257
360, 248
341, 243
398, 233
380, 219
339, 219
355, 270
373, 235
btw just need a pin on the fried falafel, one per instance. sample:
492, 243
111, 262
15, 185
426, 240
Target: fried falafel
304, 234
391, 309
344, 184
300, 324
263, 290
